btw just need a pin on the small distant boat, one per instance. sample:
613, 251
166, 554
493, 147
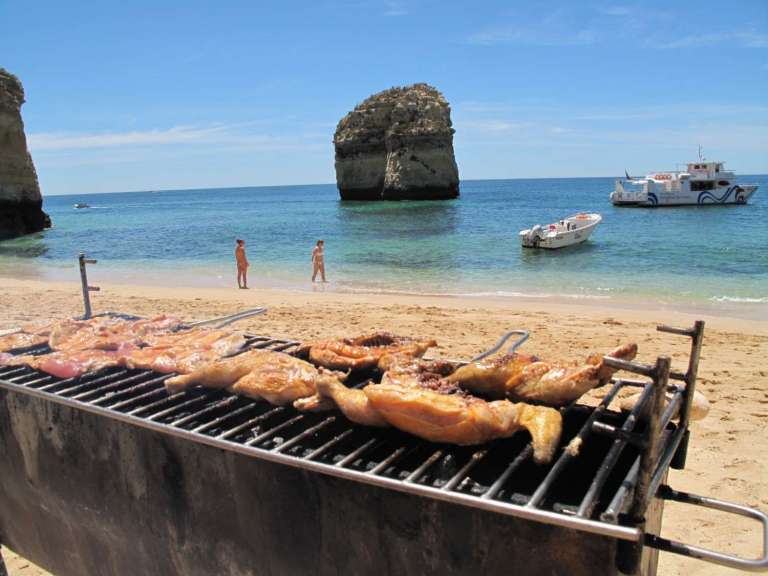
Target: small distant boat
568, 232
80, 205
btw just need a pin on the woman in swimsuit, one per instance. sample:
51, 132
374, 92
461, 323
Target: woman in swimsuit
242, 265
318, 264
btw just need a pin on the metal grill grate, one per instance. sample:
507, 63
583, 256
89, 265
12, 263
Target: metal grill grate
585, 491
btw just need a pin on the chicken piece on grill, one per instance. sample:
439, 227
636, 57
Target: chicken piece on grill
28, 335
353, 403
184, 352
274, 376
362, 354
21, 340
521, 377
106, 332
66, 364
462, 419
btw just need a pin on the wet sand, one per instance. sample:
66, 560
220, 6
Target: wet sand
726, 456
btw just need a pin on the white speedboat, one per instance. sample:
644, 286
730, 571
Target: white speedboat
567, 232
702, 183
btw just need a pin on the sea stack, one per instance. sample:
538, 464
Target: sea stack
21, 205
397, 145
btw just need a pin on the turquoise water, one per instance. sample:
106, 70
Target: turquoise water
464, 246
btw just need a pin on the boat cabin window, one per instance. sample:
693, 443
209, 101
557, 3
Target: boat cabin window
723, 183
701, 185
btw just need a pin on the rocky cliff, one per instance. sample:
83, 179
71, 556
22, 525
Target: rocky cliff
397, 145
20, 201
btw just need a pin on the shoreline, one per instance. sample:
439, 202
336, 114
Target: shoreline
551, 305
751, 312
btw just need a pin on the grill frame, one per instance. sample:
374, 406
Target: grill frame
531, 510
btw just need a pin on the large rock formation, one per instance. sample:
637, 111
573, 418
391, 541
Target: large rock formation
397, 145
20, 201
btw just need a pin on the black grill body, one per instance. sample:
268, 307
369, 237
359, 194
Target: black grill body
82, 494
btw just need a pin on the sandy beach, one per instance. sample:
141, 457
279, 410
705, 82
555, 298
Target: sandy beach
726, 456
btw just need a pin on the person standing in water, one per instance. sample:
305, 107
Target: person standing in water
242, 265
318, 262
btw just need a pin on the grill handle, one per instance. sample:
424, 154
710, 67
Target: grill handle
758, 565
222, 321
524, 334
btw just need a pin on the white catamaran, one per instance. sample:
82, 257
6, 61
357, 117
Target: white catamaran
702, 183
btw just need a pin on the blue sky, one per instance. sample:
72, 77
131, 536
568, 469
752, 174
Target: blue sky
161, 95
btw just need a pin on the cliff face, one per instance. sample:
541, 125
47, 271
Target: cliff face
20, 200
397, 145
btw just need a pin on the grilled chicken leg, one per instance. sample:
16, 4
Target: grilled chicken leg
362, 353
273, 376
523, 377
460, 419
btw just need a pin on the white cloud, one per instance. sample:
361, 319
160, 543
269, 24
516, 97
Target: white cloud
542, 37
395, 9
494, 126
219, 135
175, 135
618, 10
747, 39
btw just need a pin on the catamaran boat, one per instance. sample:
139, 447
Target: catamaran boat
702, 183
573, 230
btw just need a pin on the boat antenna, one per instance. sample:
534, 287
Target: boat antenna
701, 158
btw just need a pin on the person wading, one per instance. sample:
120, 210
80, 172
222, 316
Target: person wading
242, 265
318, 262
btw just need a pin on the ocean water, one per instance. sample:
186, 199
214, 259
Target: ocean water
714, 255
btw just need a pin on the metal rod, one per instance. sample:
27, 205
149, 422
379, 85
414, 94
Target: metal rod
524, 334
514, 465
416, 474
161, 402
697, 338
308, 432
242, 426
224, 417
649, 456
11, 370
88, 382
320, 450
86, 289
387, 461
643, 369
276, 429
355, 453
176, 408
222, 321
115, 398
139, 398
91, 395
215, 406
461, 474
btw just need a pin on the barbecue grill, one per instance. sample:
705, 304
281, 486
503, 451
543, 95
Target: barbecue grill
108, 474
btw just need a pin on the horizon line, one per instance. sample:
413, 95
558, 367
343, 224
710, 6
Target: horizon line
333, 184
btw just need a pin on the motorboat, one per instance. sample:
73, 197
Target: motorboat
81, 205
567, 232
702, 183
